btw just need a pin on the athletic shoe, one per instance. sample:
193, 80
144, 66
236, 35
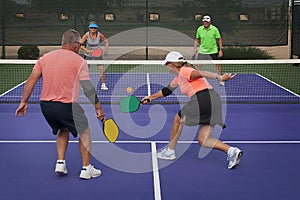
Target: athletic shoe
60, 167
222, 83
89, 172
104, 87
166, 154
235, 158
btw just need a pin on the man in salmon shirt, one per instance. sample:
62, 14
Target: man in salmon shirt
204, 107
63, 72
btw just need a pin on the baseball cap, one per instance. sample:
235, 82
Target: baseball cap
206, 18
174, 56
93, 25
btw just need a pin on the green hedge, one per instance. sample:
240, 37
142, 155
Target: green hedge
28, 52
243, 53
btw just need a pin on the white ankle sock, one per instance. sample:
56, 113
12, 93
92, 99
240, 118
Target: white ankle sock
86, 166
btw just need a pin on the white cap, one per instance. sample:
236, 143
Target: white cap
174, 56
206, 18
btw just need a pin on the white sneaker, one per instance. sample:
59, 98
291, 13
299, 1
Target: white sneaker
89, 172
235, 158
166, 154
61, 167
222, 83
104, 87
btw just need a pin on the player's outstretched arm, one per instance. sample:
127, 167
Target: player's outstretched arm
149, 99
201, 73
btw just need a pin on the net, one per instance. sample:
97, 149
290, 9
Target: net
257, 81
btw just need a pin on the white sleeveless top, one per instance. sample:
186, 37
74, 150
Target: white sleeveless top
92, 44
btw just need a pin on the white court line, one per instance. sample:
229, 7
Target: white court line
156, 180
162, 142
148, 84
12, 88
278, 85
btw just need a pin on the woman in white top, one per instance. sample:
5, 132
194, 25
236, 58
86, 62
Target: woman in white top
91, 40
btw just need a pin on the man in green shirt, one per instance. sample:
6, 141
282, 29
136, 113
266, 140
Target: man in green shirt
209, 40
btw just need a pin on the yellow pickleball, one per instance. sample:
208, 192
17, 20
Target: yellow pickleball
129, 89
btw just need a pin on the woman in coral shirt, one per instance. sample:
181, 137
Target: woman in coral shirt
204, 107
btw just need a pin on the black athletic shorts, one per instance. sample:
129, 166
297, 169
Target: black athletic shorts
204, 107
69, 116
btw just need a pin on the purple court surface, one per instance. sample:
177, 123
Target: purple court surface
267, 133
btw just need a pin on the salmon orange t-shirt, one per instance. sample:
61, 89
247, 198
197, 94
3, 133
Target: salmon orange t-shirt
187, 86
62, 71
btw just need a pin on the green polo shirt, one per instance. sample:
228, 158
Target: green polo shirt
208, 39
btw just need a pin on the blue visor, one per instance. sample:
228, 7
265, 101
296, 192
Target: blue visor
93, 25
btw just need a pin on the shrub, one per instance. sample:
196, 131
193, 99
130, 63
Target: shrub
243, 53
28, 52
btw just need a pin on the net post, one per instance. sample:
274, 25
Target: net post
3, 52
147, 21
3, 31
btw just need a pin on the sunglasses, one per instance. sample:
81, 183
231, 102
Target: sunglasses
93, 28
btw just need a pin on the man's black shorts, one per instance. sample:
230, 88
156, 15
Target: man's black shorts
69, 116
